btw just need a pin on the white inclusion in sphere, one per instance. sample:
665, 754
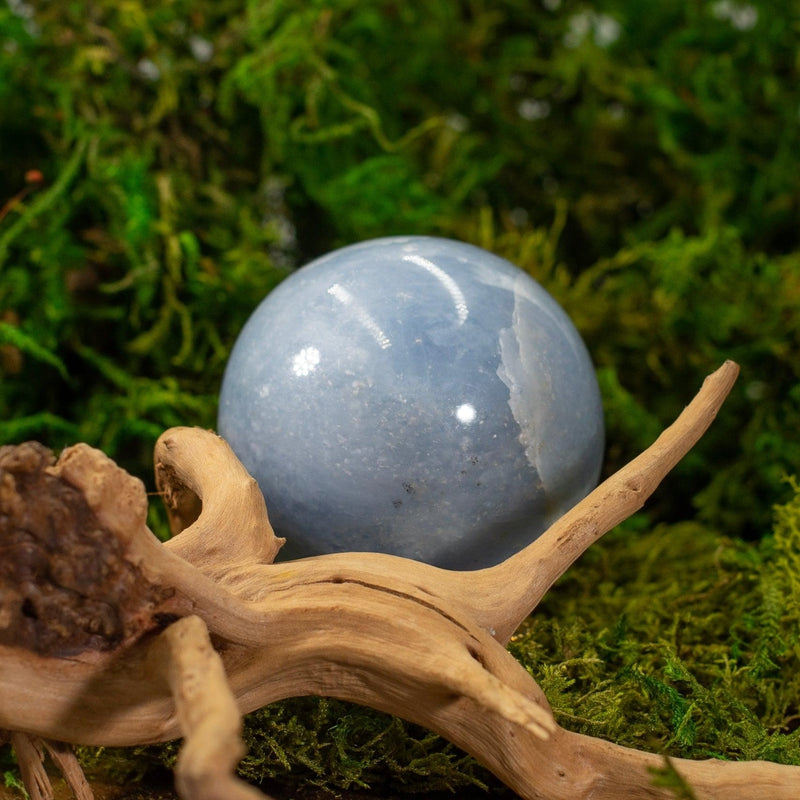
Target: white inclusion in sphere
415, 396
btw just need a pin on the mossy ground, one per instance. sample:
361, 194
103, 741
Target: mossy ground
163, 166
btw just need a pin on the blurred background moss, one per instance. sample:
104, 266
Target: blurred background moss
164, 165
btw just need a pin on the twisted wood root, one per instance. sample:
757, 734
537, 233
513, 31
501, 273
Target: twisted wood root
211, 629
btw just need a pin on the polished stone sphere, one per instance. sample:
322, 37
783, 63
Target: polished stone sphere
415, 396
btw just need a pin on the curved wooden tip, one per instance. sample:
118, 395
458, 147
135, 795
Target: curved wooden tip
717, 386
214, 503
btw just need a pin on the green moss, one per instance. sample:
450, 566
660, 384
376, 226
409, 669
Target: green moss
192, 157
336, 745
312, 742
678, 641
640, 160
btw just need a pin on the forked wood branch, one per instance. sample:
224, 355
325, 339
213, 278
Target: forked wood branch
109, 637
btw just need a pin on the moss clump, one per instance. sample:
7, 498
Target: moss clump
678, 641
336, 745
318, 743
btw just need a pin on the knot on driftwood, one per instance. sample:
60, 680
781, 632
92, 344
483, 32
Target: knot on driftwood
66, 583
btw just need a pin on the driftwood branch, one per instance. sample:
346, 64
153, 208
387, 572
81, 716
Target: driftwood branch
207, 713
128, 658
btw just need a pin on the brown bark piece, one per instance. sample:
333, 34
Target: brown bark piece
66, 583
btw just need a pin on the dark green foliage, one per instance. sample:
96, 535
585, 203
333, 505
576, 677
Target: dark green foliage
191, 153
639, 159
126, 278
333, 745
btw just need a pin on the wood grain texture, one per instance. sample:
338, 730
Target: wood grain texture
226, 630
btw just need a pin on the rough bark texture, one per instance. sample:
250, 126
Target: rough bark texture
66, 583
400, 636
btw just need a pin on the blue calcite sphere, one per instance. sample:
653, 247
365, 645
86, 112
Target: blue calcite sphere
416, 396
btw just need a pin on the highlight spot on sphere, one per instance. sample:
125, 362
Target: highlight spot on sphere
305, 362
466, 413
416, 396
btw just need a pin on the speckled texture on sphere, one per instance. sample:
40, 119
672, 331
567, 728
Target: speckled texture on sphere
415, 396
